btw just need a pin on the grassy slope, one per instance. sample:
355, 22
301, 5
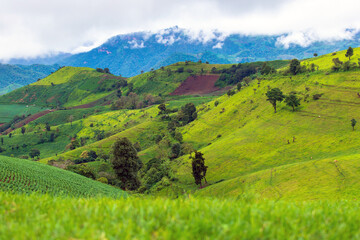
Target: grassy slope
24, 176
161, 82
254, 139
72, 86
183, 218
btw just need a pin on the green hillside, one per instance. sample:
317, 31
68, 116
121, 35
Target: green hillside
24, 176
69, 86
245, 142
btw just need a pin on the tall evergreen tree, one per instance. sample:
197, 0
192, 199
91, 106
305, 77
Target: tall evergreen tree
198, 167
126, 163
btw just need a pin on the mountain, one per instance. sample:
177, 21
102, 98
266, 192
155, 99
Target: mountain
128, 54
15, 76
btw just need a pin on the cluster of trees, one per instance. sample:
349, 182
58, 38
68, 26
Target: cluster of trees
133, 101
345, 66
235, 74
105, 70
275, 95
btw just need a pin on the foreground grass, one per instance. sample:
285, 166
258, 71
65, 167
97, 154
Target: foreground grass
185, 218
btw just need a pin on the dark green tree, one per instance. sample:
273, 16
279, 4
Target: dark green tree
47, 127
2, 141
238, 86
175, 150
292, 101
34, 153
126, 163
315, 54
162, 108
349, 53
295, 67
187, 113
23, 129
198, 167
353, 123
274, 95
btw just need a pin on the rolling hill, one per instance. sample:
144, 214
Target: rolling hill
67, 87
24, 176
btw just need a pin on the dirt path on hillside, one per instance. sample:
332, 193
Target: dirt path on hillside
199, 84
35, 116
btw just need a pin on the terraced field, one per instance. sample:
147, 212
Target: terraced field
25, 176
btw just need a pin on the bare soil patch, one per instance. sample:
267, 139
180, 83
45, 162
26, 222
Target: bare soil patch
197, 85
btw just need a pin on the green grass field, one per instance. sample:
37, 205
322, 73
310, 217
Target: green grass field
183, 218
25, 176
8, 111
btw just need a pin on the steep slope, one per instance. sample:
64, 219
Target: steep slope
24, 176
242, 135
69, 86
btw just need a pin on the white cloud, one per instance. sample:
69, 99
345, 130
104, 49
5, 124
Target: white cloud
135, 44
34, 27
219, 45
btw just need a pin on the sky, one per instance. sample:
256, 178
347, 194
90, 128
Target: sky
30, 28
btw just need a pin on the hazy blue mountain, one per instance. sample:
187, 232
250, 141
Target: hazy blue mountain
15, 76
129, 54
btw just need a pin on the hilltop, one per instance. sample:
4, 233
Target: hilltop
68, 87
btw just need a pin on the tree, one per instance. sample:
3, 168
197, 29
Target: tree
118, 93
274, 95
47, 127
292, 101
353, 123
2, 141
34, 153
187, 113
349, 52
238, 86
126, 163
315, 54
198, 167
175, 150
106, 70
295, 67
71, 119
23, 129
162, 108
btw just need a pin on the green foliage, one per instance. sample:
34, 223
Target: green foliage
126, 163
187, 113
349, 52
353, 123
274, 95
34, 153
295, 67
24, 176
292, 101
198, 167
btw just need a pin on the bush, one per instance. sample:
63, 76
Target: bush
317, 96
103, 180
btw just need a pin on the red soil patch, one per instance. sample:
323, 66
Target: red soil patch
28, 119
203, 84
50, 99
